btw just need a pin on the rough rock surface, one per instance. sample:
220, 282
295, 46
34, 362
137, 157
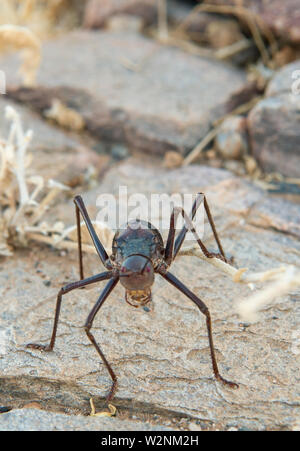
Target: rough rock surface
274, 124
286, 80
37, 420
282, 17
161, 357
125, 87
97, 12
56, 154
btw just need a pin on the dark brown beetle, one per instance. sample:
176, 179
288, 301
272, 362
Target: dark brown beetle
138, 253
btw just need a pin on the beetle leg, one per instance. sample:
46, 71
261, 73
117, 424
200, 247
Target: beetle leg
172, 249
88, 324
71, 286
80, 207
203, 309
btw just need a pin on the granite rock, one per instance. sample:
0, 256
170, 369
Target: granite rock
281, 17
56, 154
161, 357
126, 89
274, 124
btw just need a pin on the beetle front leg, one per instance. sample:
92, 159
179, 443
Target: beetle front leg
88, 325
66, 289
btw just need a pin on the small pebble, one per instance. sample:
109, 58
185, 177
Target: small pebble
119, 152
172, 160
231, 141
194, 427
250, 164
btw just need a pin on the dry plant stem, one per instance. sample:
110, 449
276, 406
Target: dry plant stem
200, 147
233, 49
241, 12
16, 199
23, 142
176, 40
237, 275
241, 109
24, 197
63, 245
282, 281
43, 206
162, 19
21, 38
288, 281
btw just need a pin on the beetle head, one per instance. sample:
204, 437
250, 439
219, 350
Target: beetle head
137, 273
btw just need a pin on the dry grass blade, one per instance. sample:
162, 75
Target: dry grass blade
162, 19
286, 282
13, 37
233, 49
200, 147
282, 281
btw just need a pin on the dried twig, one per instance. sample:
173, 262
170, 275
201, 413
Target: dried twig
282, 281
200, 147
286, 282
237, 275
233, 49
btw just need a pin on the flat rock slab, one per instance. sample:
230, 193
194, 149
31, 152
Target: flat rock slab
131, 89
56, 153
161, 357
282, 18
274, 124
37, 420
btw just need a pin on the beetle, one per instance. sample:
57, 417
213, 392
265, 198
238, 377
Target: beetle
138, 253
